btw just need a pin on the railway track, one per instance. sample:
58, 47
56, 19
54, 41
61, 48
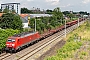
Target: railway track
4, 55
36, 49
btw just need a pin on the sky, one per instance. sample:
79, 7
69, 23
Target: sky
65, 5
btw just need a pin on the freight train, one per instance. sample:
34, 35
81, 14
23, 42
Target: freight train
16, 42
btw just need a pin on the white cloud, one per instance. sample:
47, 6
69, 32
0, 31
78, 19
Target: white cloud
85, 1
0, 3
29, 0
66, 5
53, 2
17, 1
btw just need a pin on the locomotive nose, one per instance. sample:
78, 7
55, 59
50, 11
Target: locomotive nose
10, 44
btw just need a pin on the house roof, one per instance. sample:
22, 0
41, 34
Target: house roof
1, 14
35, 15
39, 15
23, 15
24, 20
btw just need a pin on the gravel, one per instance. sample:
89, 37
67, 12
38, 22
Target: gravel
52, 51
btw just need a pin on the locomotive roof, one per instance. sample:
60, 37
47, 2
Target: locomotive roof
24, 34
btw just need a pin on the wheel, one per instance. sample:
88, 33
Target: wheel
19, 48
15, 51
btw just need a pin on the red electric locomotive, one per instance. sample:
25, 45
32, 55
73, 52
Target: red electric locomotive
19, 40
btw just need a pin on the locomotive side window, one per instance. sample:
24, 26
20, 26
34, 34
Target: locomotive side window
10, 40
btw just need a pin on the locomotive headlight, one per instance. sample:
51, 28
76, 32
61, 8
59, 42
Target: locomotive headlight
7, 44
13, 44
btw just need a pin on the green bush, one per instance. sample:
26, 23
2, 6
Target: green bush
4, 34
11, 21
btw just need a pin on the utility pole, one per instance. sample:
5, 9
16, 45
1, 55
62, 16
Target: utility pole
61, 20
78, 22
65, 28
35, 24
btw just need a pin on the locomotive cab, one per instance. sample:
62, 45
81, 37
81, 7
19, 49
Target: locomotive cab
10, 44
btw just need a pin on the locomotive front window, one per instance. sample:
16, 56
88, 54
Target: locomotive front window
10, 40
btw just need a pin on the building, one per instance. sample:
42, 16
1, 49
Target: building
25, 18
39, 15
11, 6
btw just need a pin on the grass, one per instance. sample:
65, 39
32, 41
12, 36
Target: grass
83, 31
83, 53
68, 50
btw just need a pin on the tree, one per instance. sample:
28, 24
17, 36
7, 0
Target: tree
57, 17
66, 12
12, 21
70, 16
32, 22
13, 11
25, 10
6, 10
49, 11
58, 13
83, 13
